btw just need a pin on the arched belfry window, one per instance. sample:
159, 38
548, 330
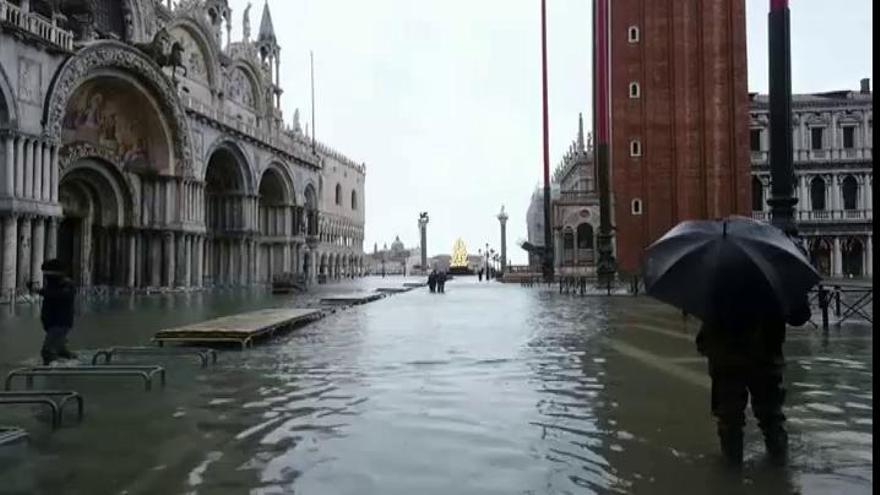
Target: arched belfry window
634, 90
817, 194
636, 207
635, 148
633, 34
850, 191
757, 194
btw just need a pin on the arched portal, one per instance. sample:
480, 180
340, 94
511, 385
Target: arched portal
853, 252
275, 210
585, 243
850, 191
568, 246
311, 211
228, 208
817, 194
757, 194
820, 255
92, 242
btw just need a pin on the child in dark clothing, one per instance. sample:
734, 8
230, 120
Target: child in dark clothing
56, 312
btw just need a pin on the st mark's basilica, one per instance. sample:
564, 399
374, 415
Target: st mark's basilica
145, 148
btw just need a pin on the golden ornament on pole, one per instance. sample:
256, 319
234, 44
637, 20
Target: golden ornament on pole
459, 255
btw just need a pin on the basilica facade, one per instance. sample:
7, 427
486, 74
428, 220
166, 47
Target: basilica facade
145, 148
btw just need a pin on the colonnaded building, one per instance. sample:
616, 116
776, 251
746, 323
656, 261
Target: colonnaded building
834, 170
144, 147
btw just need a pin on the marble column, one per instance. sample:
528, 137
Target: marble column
244, 267
188, 242
180, 261
131, 263
52, 238
270, 261
20, 143
229, 260
86, 253
25, 230
9, 168
28, 169
169, 258
198, 262
139, 268
10, 255
869, 252
45, 185
53, 176
38, 238
155, 260
836, 259
37, 190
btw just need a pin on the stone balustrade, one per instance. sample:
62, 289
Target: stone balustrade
36, 24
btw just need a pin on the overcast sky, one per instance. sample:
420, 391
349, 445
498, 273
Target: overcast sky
441, 98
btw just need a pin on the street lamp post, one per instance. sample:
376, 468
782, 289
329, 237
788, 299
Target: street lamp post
782, 199
502, 218
423, 231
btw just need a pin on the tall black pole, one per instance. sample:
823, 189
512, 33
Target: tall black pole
606, 266
548, 238
782, 199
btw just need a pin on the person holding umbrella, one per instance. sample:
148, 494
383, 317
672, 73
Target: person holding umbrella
745, 280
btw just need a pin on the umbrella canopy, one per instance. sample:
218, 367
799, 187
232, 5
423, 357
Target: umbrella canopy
738, 262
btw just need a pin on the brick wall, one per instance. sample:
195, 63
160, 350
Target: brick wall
691, 117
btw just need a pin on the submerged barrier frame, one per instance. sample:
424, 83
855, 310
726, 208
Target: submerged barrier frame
205, 355
46, 397
145, 372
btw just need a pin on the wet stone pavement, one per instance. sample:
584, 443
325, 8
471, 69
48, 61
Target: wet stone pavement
488, 389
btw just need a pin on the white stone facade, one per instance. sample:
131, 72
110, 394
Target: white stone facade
834, 172
145, 148
575, 212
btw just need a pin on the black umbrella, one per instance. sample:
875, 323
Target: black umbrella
742, 262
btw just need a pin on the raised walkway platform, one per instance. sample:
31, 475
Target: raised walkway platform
351, 299
240, 329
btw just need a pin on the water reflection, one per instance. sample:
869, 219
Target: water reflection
487, 389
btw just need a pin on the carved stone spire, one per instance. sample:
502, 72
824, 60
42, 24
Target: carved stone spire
267, 30
580, 141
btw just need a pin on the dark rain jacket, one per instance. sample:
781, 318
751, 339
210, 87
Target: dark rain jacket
755, 342
58, 303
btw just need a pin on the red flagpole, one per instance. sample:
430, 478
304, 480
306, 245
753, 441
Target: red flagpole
548, 239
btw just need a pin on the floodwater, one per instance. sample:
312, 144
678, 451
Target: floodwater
487, 389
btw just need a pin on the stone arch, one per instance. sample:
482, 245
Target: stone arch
314, 226
203, 42
8, 104
106, 57
820, 254
849, 191
757, 194
853, 255
114, 116
229, 208
817, 194
243, 169
243, 72
97, 204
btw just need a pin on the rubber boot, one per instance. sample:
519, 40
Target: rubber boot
731, 445
776, 442
65, 353
48, 357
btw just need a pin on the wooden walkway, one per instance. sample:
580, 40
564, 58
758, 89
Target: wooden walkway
240, 329
351, 299
393, 290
